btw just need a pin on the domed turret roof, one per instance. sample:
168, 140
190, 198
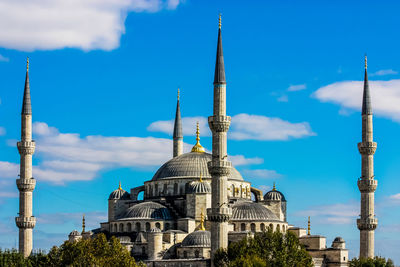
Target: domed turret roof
119, 193
190, 165
198, 238
147, 210
199, 187
248, 211
274, 195
74, 233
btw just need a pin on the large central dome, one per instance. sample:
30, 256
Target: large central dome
190, 165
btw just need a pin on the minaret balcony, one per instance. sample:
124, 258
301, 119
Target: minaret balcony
367, 148
26, 147
219, 168
219, 123
25, 222
367, 223
219, 214
367, 185
26, 185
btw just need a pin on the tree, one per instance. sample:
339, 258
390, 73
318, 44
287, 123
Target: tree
371, 262
265, 249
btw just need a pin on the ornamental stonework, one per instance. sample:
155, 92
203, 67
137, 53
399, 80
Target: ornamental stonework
367, 148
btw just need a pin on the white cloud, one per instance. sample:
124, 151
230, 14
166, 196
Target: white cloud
2, 131
261, 173
67, 157
348, 94
29, 25
297, 87
264, 188
4, 59
384, 72
8, 194
395, 197
283, 98
243, 127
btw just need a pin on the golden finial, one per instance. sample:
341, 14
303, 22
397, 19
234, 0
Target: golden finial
201, 228
219, 21
309, 226
119, 186
178, 93
198, 147
83, 223
365, 61
274, 187
201, 178
27, 64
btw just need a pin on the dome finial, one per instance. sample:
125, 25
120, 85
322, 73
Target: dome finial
219, 21
27, 64
309, 226
178, 93
365, 61
119, 186
201, 228
274, 187
201, 178
198, 147
83, 223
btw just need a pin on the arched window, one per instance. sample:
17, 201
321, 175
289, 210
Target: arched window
185, 254
121, 227
115, 228
129, 227
158, 225
166, 226
165, 189
137, 227
156, 190
147, 226
143, 251
150, 191
278, 228
253, 227
234, 227
175, 188
233, 190
243, 227
271, 227
283, 228
196, 254
262, 227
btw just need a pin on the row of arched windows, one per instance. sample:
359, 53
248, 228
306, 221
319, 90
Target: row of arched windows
262, 227
136, 227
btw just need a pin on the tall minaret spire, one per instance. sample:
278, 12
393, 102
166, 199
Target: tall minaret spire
367, 222
178, 135
219, 167
26, 183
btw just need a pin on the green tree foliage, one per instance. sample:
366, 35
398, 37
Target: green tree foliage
375, 262
90, 252
267, 249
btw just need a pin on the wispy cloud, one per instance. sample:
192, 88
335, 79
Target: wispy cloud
239, 160
348, 94
2, 131
383, 72
283, 98
56, 24
4, 59
261, 173
264, 188
244, 127
297, 87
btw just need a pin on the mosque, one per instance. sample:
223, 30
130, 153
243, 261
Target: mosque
198, 202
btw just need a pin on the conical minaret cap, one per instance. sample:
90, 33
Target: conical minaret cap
178, 121
26, 104
366, 104
219, 75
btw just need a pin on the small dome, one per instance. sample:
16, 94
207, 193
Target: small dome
155, 230
190, 165
199, 187
147, 210
338, 240
74, 233
274, 195
197, 239
119, 193
248, 211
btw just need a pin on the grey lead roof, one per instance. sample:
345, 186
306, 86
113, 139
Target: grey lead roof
251, 211
197, 239
366, 104
178, 122
147, 210
26, 105
219, 76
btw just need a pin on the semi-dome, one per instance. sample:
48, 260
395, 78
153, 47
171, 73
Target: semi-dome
249, 211
147, 210
274, 195
199, 187
339, 239
119, 193
193, 164
198, 238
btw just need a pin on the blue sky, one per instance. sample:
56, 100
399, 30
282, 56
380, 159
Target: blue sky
104, 77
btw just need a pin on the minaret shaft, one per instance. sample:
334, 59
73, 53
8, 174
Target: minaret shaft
26, 183
367, 222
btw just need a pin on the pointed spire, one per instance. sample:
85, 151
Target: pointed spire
366, 104
26, 105
198, 147
219, 76
274, 187
83, 223
202, 228
309, 226
178, 121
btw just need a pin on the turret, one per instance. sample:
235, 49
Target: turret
178, 135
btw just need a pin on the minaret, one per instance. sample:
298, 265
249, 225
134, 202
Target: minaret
367, 223
219, 167
26, 183
178, 135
